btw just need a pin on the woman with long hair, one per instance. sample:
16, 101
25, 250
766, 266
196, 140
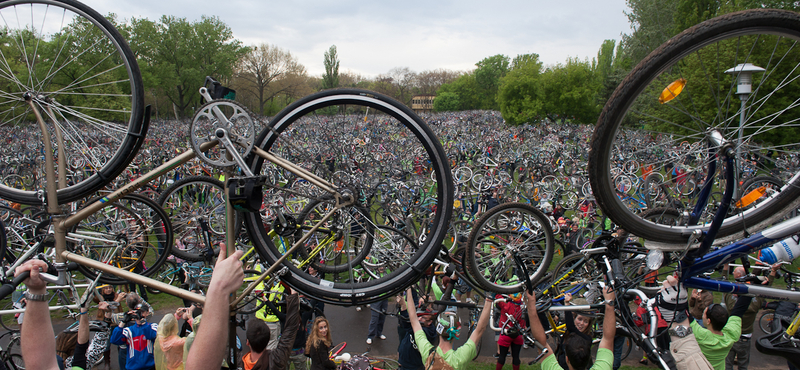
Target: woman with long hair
318, 345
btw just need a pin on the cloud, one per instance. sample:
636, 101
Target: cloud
374, 37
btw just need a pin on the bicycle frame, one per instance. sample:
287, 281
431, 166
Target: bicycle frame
61, 223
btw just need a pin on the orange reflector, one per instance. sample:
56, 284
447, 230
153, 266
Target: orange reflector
751, 197
672, 91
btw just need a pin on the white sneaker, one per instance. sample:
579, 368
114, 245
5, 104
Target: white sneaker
383, 337
358, 308
369, 340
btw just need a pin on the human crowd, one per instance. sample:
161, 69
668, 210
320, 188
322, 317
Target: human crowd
694, 331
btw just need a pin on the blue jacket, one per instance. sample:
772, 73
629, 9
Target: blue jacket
140, 341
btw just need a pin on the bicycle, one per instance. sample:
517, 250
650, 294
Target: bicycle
754, 124
222, 135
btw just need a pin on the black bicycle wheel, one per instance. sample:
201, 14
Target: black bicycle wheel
505, 230
187, 202
86, 82
132, 233
341, 131
645, 120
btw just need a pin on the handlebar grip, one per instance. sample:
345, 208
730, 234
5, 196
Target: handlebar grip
7, 289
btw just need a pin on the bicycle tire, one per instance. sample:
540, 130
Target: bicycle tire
578, 280
745, 36
765, 323
184, 201
16, 361
9, 321
133, 233
506, 228
303, 132
92, 85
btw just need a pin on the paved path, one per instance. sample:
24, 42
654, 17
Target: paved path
349, 325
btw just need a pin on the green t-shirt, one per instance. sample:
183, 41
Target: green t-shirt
457, 358
716, 347
604, 361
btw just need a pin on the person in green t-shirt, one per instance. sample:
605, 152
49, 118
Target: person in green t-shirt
578, 349
448, 326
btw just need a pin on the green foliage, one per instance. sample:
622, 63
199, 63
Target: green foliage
177, 55
330, 79
528, 94
446, 101
465, 88
487, 79
520, 94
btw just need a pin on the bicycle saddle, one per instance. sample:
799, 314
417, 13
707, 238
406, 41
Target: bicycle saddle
776, 345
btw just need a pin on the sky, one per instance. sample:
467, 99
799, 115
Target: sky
372, 37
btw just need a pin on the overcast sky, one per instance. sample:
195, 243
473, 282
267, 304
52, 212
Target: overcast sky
373, 37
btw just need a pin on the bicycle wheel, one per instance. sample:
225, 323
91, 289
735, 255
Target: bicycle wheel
9, 321
17, 361
576, 278
504, 230
168, 273
87, 76
765, 323
640, 119
187, 202
325, 128
132, 233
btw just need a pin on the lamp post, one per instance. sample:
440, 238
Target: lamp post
744, 87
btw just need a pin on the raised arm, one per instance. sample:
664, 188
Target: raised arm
206, 351
609, 320
536, 326
412, 311
38, 338
482, 321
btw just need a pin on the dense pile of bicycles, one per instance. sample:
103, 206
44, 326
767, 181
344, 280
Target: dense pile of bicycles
349, 196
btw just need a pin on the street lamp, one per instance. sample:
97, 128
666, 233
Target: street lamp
744, 87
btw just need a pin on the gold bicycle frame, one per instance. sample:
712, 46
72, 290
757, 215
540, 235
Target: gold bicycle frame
62, 222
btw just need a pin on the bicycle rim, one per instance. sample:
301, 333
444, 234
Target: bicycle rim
508, 229
81, 75
672, 135
132, 233
341, 132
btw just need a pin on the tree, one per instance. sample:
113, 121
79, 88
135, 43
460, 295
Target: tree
446, 101
570, 91
268, 71
403, 80
178, 54
519, 95
429, 81
465, 88
330, 79
487, 78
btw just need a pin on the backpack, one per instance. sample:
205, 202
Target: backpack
357, 362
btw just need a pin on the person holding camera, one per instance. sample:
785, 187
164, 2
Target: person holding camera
138, 338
